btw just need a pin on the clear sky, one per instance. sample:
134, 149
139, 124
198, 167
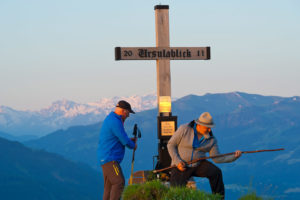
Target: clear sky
64, 49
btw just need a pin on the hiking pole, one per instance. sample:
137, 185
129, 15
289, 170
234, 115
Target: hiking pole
136, 133
216, 156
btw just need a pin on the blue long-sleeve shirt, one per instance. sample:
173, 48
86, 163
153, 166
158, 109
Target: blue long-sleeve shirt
113, 139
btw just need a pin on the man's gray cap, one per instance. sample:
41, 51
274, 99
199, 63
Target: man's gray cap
205, 119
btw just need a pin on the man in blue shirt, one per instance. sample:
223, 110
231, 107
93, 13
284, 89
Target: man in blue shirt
111, 150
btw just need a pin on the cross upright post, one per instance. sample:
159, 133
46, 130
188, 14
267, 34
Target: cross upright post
166, 123
163, 66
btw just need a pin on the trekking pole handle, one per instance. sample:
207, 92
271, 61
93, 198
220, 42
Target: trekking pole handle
135, 130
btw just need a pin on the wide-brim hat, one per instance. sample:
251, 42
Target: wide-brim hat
205, 119
125, 105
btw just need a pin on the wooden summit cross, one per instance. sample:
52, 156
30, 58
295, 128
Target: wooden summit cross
163, 53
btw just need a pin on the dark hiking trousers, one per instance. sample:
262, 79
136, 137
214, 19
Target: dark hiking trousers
205, 169
113, 181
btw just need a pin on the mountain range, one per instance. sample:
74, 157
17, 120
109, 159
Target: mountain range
63, 114
243, 121
35, 174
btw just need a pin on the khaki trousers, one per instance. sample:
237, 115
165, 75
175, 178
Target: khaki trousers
113, 181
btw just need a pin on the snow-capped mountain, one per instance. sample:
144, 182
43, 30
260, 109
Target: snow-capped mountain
64, 113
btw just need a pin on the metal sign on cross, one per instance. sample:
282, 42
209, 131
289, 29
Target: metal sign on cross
163, 53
